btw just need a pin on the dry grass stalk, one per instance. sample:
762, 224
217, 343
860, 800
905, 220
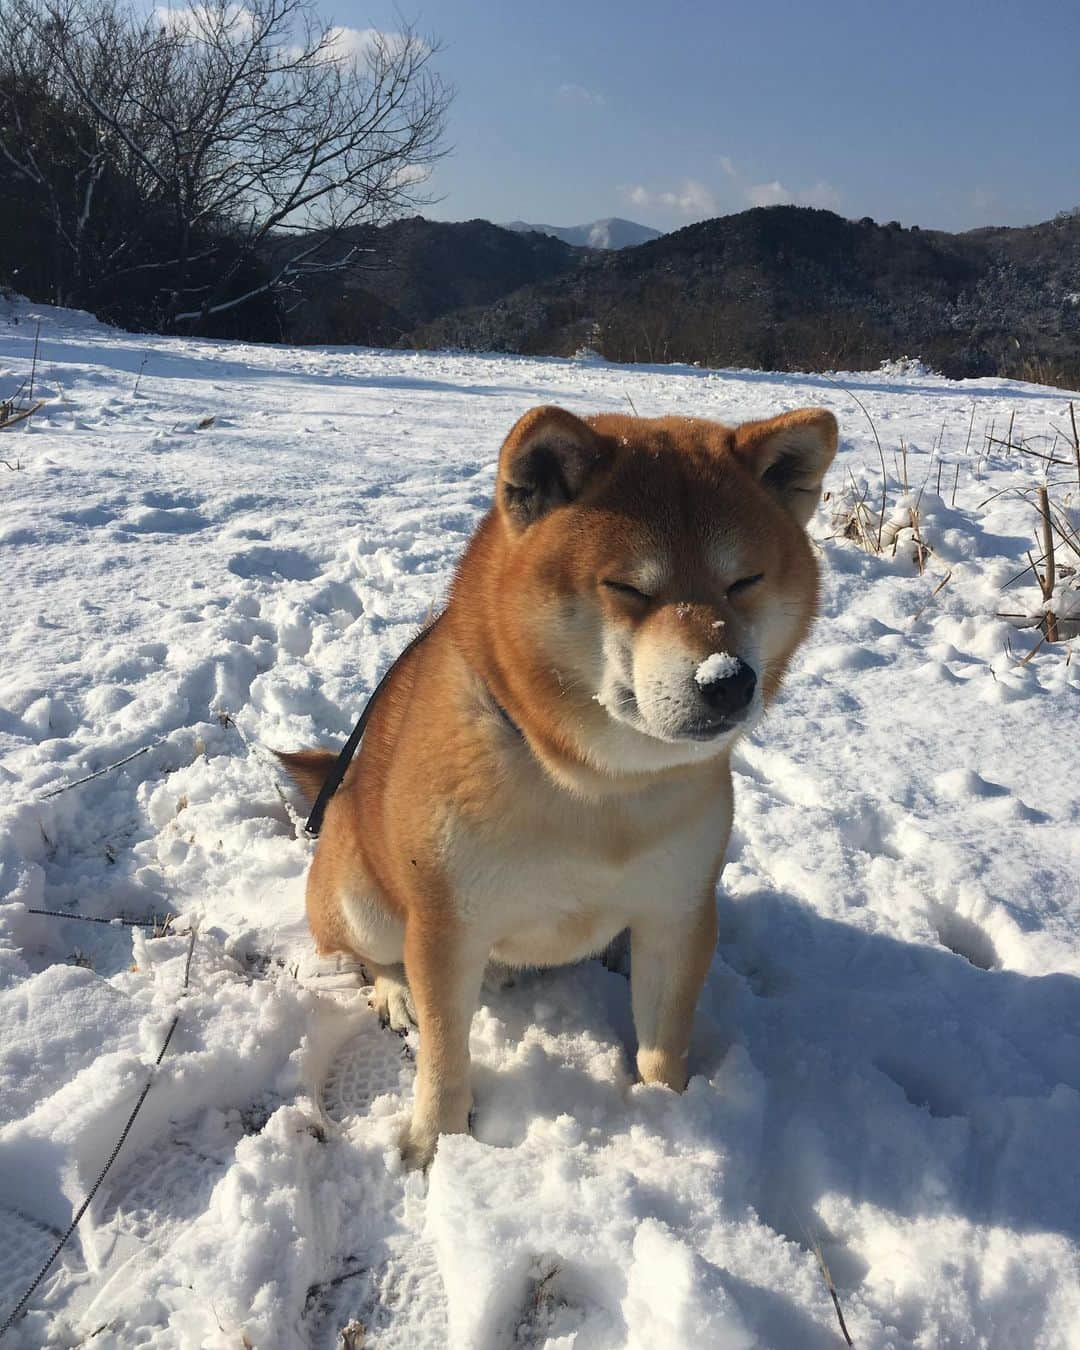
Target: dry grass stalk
11, 414
1042, 639
33, 364
1076, 441
66, 787
1027, 450
1055, 528
881, 457
1031, 567
922, 549
20, 406
988, 437
1068, 535
934, 593
159, 927
895, 528
971, 425
1048, 579
853, 518
826, 1275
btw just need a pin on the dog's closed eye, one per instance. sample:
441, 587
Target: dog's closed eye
744, 584
625, 589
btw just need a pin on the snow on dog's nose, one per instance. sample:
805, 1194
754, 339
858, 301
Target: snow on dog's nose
727, 685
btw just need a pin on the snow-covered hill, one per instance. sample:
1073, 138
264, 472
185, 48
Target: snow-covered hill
211, 549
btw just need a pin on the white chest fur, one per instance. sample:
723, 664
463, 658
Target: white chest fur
554, 877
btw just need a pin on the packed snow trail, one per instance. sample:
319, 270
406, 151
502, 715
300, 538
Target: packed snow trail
887, 1055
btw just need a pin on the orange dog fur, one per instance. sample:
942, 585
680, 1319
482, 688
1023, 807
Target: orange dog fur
551, 765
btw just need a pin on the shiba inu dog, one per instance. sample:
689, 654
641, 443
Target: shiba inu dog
550, 766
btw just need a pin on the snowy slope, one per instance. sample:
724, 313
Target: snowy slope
887, 1056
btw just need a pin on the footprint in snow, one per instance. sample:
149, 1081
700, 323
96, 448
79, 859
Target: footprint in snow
373, 1063
285, 564
960, 784
967, 786
923, 1089
89, 515
24, 1245
841, 656
169, 501
158, 520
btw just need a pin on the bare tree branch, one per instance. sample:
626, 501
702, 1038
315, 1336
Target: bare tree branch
255, 134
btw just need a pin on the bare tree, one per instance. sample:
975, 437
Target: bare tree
49, 145
256, 135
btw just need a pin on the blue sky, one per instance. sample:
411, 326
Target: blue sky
949, 115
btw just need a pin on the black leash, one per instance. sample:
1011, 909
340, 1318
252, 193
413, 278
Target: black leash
348, 750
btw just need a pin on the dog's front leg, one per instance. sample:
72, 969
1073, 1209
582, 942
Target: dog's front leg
445, 967
669, 959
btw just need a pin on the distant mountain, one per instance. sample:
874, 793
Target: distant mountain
415, 270
794, 288
614, 232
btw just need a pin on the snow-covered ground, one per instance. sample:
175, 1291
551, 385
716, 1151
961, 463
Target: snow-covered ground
887, 1055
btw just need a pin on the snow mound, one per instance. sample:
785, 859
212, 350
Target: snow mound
901, 366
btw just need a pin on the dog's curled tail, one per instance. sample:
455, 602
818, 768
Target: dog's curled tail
308, 769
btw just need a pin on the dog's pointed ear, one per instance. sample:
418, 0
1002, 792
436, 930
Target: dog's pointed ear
545, 462
789, 454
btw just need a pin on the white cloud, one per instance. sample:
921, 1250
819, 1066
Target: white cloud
768, 194
577, 93
344, 43
362, 42
695, 200
352, 41
409, 175
820, 194
692, 198
194, 19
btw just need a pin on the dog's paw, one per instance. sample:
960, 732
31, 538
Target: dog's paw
417, 1148
331, 973
392, 1000
662, 1068
452, 1114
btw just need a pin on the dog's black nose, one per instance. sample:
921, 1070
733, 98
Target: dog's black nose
729, 693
